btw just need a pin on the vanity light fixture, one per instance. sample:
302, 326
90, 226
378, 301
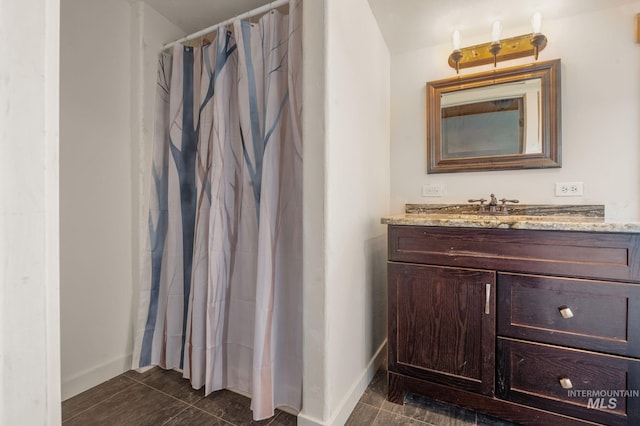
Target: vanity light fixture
498, 50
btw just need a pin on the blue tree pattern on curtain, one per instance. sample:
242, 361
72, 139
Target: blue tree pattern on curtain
221, 292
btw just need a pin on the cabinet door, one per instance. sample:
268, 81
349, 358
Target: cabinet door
442, 325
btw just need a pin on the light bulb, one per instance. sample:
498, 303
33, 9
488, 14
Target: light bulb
456, 40
536, 22
495, 32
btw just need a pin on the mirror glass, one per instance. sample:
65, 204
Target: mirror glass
504, 119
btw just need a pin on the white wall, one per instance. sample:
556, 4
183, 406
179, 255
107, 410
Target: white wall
350, 314
600, 126
95, 192
29, 275
108, 74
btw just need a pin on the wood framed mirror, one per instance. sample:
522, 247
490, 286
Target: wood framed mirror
496, 120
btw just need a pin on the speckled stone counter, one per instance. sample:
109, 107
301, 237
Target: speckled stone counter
587, 218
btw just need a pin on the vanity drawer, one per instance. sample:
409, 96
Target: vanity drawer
586, 314
561, 253
531, 374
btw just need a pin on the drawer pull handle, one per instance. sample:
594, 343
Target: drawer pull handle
487, 299
566, 312
566, 383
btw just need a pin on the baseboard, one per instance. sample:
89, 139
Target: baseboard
348, 403
304, 420
71, 386
145, 369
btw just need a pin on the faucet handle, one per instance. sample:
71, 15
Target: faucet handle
504, 202
481, 201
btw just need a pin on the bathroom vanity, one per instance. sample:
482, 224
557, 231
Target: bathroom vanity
533, 319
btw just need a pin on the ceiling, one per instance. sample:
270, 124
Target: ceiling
405, 24
195, 15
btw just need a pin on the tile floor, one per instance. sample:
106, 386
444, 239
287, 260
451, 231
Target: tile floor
160, 398
163, 398
374, 409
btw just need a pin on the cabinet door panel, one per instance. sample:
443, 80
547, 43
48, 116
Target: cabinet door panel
441, 324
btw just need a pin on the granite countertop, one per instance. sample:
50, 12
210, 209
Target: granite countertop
538, 217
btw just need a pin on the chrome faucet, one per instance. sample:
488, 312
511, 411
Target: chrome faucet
494, 208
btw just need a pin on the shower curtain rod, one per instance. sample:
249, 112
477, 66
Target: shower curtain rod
249, 14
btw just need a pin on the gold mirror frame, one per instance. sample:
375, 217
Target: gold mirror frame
549, 123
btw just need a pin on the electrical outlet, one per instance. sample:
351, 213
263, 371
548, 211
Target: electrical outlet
569, 189
432, 190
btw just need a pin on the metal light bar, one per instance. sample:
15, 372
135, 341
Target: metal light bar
510, 48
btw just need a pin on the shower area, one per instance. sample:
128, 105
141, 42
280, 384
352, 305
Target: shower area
221, 294
182, 219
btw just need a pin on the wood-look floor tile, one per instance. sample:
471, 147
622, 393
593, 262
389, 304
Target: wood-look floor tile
432, 412
172, 382
231, 407
376, 392
136, 405
87, 399
440, 413
194, 417
362, 415
387, 418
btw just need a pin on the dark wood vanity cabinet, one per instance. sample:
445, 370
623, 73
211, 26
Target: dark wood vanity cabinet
537, 327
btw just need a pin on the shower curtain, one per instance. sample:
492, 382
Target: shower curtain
221, 290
